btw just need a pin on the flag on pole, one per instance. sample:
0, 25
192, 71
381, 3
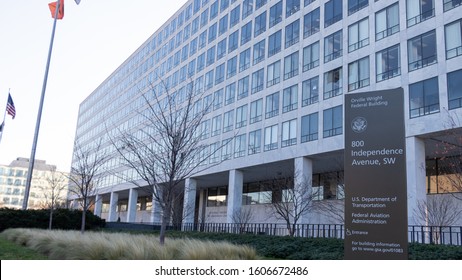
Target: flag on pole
10, 109
52, 7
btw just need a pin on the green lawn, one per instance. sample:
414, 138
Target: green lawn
12, 251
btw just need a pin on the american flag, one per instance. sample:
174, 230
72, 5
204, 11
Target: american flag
10, 109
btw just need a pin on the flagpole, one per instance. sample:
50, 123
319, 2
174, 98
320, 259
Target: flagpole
39, 115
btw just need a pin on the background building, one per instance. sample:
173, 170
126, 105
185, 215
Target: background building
13, 183
275, 74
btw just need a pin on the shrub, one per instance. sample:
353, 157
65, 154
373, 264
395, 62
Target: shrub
62, 219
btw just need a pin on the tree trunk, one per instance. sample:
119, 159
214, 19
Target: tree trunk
82, 228
50, 222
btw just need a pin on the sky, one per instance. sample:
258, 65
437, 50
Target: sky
91, 41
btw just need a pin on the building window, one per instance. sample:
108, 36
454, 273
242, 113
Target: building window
231, 67
333, 46
200, 62
422, 50
256, 193
259, 52
292, 33
254, 142
332, 121
223, 25
455, 89
218, 99
273, 74
257, 80
233, 41
310, 91
274, 43
203, 39
239, 146
272, 105
247, 8
205, 129
211, 56
256, 109
387, 21
419, 10
289, 133
333, 83
230, 93
246, 33
311, 56
260, 24
358, 74
290, 99
241, 116
244, 60
234, 16
451, 4
212, 33
243, 88
291, 65
356, 5
224, 5
424, 98
275, 14
292, 6
227, 149
387, 63
216, 125
221, 48
332, 12
311, 23
208, 103
260, 3
209, 79
453, 39
228, 120
220, 73
309, 128
214, 10
358, 35
271, 138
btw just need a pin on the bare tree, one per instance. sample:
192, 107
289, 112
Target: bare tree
53, 192
448, 154
290, 202
166, 148
242, 217
87, 171
438, 211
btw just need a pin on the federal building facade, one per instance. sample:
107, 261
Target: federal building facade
273, 75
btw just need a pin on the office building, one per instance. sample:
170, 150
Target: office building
275, 73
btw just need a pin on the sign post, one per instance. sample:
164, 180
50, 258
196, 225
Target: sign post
375, 176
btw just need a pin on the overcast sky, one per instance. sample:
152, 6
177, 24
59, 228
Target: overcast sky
92, 40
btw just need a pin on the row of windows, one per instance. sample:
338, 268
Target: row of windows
423, 100
266, 139
422, 51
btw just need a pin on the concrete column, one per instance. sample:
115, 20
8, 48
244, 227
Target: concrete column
113, 207
132, 201
98, 205
236, 181
416, 175
303, 177
202, 206
156, 211
189, 202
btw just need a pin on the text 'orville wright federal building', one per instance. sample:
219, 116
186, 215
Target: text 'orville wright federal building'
270, 77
